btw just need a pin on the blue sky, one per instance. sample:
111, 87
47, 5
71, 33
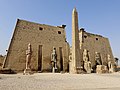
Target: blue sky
96, 16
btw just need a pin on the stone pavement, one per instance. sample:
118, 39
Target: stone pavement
57, 81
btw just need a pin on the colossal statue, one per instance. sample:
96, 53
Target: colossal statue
54, 60
87, 63
28, 59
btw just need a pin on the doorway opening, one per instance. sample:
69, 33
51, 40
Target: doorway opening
40, 58
61, 59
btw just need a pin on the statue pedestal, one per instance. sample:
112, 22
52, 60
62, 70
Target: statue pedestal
111, 70
27, 72
89, 71
79, 70
53, 70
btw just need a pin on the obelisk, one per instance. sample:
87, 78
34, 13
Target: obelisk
75, 62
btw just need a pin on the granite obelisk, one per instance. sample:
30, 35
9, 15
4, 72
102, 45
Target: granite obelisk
75, 63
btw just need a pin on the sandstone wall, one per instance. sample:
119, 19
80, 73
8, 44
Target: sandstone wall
38, 35
96, 43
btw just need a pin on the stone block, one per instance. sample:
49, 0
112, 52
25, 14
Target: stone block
101, 69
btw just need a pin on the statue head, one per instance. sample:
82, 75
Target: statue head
54, 50
85, 50
29, 45
97, 54
29, 48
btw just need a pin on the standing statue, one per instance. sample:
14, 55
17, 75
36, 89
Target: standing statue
54, 60
28, 59
110, 65
87, 63
98, 58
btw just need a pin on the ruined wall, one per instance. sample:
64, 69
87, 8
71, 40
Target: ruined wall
1, 60
42, 39
95, 43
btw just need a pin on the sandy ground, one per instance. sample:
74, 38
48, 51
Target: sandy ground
57, 81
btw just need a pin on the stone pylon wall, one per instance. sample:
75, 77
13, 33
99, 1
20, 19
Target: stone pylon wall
39, 36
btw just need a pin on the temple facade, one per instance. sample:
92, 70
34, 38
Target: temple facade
87, 50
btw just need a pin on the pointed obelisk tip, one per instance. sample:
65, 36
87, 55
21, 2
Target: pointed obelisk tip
74, 9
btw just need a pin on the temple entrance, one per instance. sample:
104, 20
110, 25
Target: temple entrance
39, 57
61, 59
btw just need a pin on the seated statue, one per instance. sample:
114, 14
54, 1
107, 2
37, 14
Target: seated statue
98, 58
